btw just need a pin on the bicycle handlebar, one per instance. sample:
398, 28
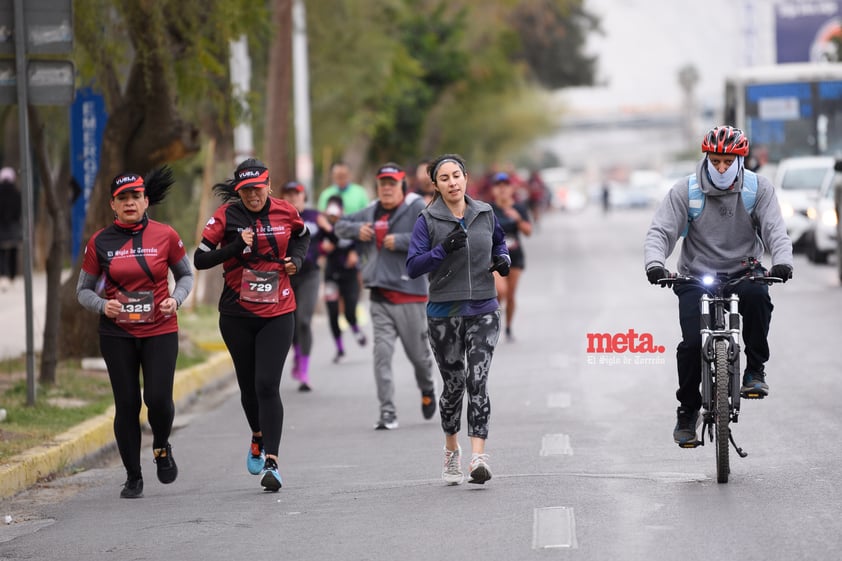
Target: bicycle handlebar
712, 281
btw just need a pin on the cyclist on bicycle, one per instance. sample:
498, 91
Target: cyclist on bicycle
728, 233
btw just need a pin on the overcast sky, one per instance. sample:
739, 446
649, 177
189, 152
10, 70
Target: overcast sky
646, 42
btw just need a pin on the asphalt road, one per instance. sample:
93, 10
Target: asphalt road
581, 446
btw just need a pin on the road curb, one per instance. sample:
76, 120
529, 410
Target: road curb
90, 437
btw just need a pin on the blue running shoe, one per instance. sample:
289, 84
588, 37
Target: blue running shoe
254, 463
271, 479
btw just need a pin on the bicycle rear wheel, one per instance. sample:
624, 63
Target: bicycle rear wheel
722, 415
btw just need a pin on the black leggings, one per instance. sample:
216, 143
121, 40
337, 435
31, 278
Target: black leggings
124, 357
9, 262
347, 287
259, 347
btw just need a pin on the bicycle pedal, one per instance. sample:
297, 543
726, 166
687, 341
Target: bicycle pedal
694, 444
752, 395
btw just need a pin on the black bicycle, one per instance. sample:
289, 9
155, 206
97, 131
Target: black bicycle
721, 380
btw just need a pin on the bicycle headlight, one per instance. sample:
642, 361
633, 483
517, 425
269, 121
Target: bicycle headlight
707, 280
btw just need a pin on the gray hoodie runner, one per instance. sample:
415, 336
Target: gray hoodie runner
724, 234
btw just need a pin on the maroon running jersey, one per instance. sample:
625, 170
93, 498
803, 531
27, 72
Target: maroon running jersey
135, 264
256, 283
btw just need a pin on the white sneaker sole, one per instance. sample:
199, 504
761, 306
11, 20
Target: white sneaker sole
453, 479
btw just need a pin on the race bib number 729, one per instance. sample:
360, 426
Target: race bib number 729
259, 286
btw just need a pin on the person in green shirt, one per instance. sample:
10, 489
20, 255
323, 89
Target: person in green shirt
354, 196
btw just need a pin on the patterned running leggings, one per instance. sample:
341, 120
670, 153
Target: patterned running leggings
463, 347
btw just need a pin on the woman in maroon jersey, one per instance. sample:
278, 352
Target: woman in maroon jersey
138, 326
260, 241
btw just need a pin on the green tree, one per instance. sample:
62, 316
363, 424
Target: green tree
440, 75
552, 34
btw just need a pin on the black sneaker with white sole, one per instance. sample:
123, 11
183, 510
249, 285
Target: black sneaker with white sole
686, 424
387, 421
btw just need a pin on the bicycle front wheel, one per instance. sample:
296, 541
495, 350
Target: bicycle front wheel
722, 414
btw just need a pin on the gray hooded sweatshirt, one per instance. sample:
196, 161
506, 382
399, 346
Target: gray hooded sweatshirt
724, 234
385, 268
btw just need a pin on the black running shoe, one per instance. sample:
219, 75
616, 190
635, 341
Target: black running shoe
387, 421
132, 488
687, 421
167, 470
754, 385
428, 404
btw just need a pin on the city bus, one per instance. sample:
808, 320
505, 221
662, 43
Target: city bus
787, 109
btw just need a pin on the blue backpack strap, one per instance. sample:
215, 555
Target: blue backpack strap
696, 199
749, 191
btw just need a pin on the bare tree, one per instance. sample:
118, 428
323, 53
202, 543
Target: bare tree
279, 93
56, 201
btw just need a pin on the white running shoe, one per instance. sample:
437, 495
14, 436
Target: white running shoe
451, 472
480, 472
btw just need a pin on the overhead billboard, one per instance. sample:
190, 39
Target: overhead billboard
805, 29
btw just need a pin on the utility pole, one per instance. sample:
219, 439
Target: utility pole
301, 98
240, 64
277, 148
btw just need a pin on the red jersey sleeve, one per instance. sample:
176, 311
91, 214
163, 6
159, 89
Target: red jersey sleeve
176, 247
90, 261
214, 230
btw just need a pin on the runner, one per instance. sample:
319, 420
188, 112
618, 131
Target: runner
260, 241
342, 278
382, 231
458, 241
305, 285
514, 219
124, 279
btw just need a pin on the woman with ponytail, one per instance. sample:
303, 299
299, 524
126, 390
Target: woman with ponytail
138, 327
260, 241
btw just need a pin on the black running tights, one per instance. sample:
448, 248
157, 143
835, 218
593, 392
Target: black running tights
259, 347
124, 357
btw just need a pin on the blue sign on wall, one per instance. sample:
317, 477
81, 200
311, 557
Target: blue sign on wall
804, 29
87, 123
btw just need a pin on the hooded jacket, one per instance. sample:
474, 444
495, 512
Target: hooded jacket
724, 235
385, 268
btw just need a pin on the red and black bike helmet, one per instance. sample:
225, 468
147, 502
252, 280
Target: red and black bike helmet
725, 139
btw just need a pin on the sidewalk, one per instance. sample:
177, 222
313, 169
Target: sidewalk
13, 316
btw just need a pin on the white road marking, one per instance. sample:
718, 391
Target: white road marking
554, 527
559, 400
556, 444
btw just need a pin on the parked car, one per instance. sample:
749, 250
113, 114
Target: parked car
798, 182
838, 200
821, 237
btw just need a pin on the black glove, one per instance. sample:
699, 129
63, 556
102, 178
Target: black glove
456, 239
656, 273
783, 272
500, 264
